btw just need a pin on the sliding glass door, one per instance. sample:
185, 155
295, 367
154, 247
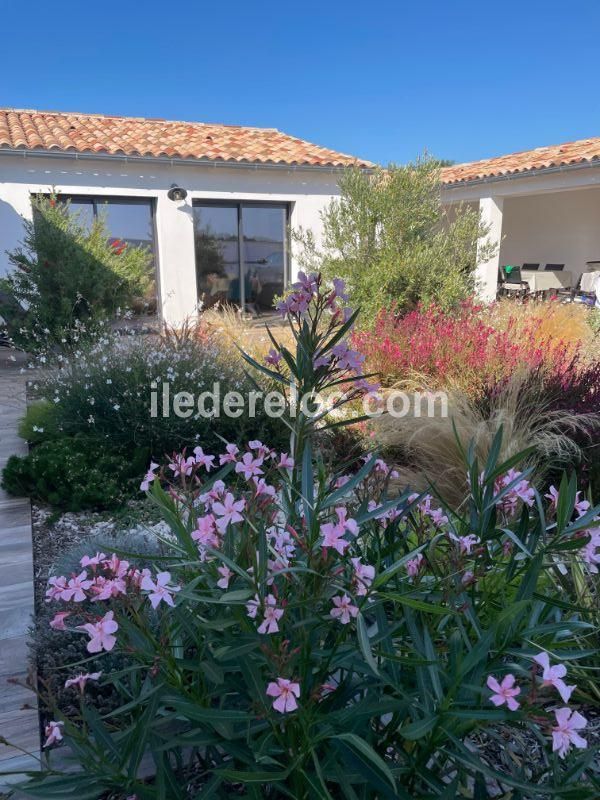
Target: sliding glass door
241, 253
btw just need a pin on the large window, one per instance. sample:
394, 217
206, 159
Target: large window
241, 253
129, 220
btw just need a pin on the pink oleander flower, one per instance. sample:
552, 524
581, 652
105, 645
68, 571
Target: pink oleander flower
53, 733
92, 561
101, 633
249, 466
553, 676
467, 578
581, 506
77, 588
285, 691
226, 575
148, 478
273, 357
160, 590
590, 553
466, 543
180, 465
230, 455
206, 532
504, 692
363, 576
228, 511
252, 607
552, 496
285, 461
343, 609
437, 516
264, 488
56, 586
116, 566
57, 623
346, 524
414, 565
105, 588
341, 481
214, 493
81, 680
564, 734
272, 615
203, 458
332, 537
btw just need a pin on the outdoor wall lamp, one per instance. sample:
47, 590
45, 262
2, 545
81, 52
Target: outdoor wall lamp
176, 193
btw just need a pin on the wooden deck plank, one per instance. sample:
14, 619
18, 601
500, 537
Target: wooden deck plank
19, 720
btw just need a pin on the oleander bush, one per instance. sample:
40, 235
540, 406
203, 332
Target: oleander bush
310, 634
51, 649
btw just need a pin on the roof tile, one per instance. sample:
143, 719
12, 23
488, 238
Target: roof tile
579, 152
95, 133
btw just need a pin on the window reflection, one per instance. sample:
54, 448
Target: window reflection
240, 254
127, 220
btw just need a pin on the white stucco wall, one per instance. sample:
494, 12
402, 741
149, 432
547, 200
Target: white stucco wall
557, 228
308, 191
547, 217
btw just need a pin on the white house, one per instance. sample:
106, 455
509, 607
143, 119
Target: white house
215, 203
542, 207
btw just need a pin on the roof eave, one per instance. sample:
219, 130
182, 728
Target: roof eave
177, 161
530, 173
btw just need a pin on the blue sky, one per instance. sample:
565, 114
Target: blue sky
381, 80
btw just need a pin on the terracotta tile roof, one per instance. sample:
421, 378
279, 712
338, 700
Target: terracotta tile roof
135, 136
583, 151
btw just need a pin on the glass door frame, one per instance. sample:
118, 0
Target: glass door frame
239, 205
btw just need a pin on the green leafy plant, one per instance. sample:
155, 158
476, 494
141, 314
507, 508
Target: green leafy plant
74, 473
66, 276
309, 635
389, 237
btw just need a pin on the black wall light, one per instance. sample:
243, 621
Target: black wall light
176, 193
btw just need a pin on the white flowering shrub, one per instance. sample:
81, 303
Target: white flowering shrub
308, 636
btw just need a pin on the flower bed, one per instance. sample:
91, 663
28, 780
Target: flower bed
312, 634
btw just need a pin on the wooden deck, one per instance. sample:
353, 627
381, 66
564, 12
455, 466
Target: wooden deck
19, 722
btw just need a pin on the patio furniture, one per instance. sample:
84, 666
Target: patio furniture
590, 286
554, 267
511, 281
544, 281
531, 266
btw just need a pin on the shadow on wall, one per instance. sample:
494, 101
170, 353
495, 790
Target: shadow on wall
11, 233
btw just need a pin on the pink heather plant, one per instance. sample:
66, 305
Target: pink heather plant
317, 634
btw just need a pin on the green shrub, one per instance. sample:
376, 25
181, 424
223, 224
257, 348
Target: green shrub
66, 276
40, 423
391, 239
74, 473
105, 390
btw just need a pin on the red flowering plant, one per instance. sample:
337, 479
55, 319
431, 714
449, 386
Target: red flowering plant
307, 635
456, 347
